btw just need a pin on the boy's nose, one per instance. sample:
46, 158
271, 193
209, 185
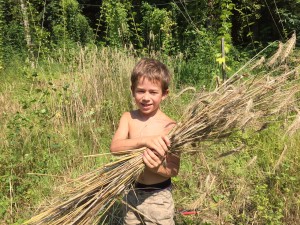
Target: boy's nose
146, 97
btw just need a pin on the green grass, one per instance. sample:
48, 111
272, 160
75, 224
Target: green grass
57, 118
243, 187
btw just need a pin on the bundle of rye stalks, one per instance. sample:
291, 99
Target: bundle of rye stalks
237, 103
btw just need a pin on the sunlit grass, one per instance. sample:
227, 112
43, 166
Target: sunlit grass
57, 121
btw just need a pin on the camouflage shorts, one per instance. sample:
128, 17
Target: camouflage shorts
155, 207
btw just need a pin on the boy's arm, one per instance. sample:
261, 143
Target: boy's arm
120, 141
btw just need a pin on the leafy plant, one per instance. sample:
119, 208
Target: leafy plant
269, 208
158, 25
116, 17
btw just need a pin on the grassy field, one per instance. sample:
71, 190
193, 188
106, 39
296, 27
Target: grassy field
57, 122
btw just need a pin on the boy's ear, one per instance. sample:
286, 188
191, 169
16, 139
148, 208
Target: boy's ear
165, 94
132, 90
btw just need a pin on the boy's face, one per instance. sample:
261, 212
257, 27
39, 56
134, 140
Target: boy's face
148, 96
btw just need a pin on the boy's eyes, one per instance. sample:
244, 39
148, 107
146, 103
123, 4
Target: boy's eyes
143, 91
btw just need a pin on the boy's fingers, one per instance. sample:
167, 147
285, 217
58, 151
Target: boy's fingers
150, 163
153, 154
162, 145
167, 141
151, 159
158, 148
147, 163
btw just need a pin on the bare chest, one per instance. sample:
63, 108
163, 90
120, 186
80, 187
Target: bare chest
148, 128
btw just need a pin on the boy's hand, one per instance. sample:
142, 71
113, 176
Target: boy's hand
159, 144
155, 153
152, 159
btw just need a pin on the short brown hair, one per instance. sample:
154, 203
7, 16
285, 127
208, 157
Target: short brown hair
153, 70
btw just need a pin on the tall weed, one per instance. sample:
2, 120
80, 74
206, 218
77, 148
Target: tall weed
51, 120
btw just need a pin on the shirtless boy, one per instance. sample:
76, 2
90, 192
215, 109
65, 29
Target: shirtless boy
151, 201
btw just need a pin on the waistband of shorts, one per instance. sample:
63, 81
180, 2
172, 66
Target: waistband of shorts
153, 187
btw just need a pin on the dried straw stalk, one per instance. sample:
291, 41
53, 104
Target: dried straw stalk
231, 107
276, 56
289, 46
93, 192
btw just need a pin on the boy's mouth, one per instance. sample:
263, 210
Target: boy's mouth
146, 105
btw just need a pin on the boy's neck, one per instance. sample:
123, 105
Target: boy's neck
145, 117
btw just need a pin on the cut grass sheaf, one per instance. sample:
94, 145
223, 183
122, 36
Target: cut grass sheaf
236, 104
